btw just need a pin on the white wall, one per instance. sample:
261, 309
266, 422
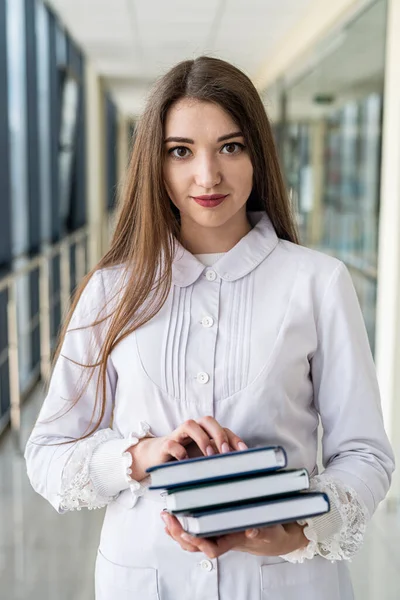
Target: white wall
96, 167
388, 306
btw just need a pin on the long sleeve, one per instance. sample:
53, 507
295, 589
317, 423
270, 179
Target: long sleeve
90, 472
357, 456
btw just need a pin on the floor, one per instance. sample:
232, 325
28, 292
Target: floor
45, 556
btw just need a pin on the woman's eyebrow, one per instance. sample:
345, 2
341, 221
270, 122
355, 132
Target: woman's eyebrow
228, 136
184, 140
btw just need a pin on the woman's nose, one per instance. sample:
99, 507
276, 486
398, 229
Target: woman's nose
207, 173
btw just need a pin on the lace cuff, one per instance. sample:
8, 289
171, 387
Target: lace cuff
99, 468
137, 489
339, 534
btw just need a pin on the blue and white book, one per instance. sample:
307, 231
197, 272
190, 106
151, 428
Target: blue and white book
213, 522
219, 466
236, 490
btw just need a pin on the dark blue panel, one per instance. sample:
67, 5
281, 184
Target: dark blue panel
4, 388
35, 347
55, 118
4, 375
32, 129
34, 286
81, 163
55, 313
3, 320
5, 207
111, 147
33, 155
78, 204
34, 312
73, 59
72, 268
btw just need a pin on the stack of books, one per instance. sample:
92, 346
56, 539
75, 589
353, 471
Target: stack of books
215, 495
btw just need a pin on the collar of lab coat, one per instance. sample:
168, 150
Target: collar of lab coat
245, 256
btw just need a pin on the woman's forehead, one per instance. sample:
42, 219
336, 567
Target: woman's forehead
199, 117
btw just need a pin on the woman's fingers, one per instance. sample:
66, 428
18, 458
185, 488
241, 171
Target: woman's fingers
270, 534
211, 548
276, 540
186, 541
173, 448
209, 436
235, 442
216, 432
172, 523
208, 547
216, 546
224, 438
187, 546
174, 530
190, 429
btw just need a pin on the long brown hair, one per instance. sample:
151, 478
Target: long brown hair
148, 223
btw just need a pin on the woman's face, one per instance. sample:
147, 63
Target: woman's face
207, 169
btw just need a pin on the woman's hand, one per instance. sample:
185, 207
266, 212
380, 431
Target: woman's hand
206, 433
276, 540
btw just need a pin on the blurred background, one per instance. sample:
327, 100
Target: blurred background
73, 80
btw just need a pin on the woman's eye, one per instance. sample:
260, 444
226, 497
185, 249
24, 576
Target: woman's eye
179, 152
232, 148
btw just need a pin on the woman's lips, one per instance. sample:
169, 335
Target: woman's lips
210, 201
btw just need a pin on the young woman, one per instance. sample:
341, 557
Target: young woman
206, 326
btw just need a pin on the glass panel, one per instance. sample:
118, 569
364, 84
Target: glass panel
17, 111
17, 125
5, 211
43, 66
332, 147
111, 145
69, 115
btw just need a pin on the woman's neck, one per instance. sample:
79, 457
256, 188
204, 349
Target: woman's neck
212, 240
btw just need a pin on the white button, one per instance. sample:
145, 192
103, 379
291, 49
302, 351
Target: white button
206, 565
203, 378
211, 275
207, 321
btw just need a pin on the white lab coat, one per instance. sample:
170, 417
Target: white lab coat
266, 340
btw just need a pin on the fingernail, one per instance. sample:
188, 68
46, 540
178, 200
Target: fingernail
242, 446
225, 448
209, 450
252, 533
165, 517
186, 537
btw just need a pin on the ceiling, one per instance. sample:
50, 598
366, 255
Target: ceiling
132, 42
